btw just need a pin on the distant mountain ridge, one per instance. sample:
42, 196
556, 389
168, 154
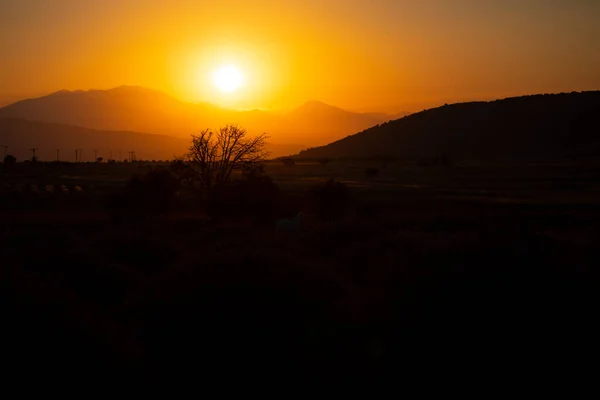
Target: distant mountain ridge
123, 108
532, 127
132, 108
327, 121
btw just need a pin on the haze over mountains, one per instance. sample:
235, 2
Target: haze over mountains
137, 109
530, 127
21, 135
537, 127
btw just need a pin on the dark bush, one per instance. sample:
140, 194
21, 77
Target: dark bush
144, 254
255, 196
323, 161
288, 162
425, 162
330, 199
371, 172
442, 160
9, 164
445, 160
144, 196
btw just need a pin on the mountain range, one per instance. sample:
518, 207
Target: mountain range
536, 127
137, 109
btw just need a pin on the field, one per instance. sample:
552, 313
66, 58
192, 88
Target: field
422, 266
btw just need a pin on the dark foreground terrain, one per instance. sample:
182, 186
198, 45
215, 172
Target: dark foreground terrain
468, 273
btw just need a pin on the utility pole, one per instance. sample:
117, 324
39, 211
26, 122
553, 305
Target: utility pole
5, 150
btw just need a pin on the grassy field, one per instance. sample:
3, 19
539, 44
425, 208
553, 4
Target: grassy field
426, 265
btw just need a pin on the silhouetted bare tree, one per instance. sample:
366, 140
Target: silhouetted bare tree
212, 157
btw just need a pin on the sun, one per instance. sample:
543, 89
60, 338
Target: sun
228, 78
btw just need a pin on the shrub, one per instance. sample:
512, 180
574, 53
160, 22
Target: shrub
323, 161
141, 252
9, 164
371, 172
445, 160
255, 196
288, 162
144, 196
425, 162
330, 199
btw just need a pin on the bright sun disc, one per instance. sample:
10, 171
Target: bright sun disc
227, 78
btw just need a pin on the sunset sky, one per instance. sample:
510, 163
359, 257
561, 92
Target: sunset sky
386, 55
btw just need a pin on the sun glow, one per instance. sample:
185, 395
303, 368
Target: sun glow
228, 78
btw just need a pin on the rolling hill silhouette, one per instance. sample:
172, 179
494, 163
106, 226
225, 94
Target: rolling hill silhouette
129, 108
551, 126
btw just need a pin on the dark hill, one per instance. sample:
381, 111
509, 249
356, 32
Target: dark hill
537, 127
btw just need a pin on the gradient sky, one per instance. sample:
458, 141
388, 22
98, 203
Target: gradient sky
388, 55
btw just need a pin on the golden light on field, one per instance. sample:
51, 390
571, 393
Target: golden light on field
228, 78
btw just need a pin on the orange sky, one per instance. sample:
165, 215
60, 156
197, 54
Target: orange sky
388, 55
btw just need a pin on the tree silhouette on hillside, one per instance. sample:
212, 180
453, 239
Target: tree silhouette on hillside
213, 156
